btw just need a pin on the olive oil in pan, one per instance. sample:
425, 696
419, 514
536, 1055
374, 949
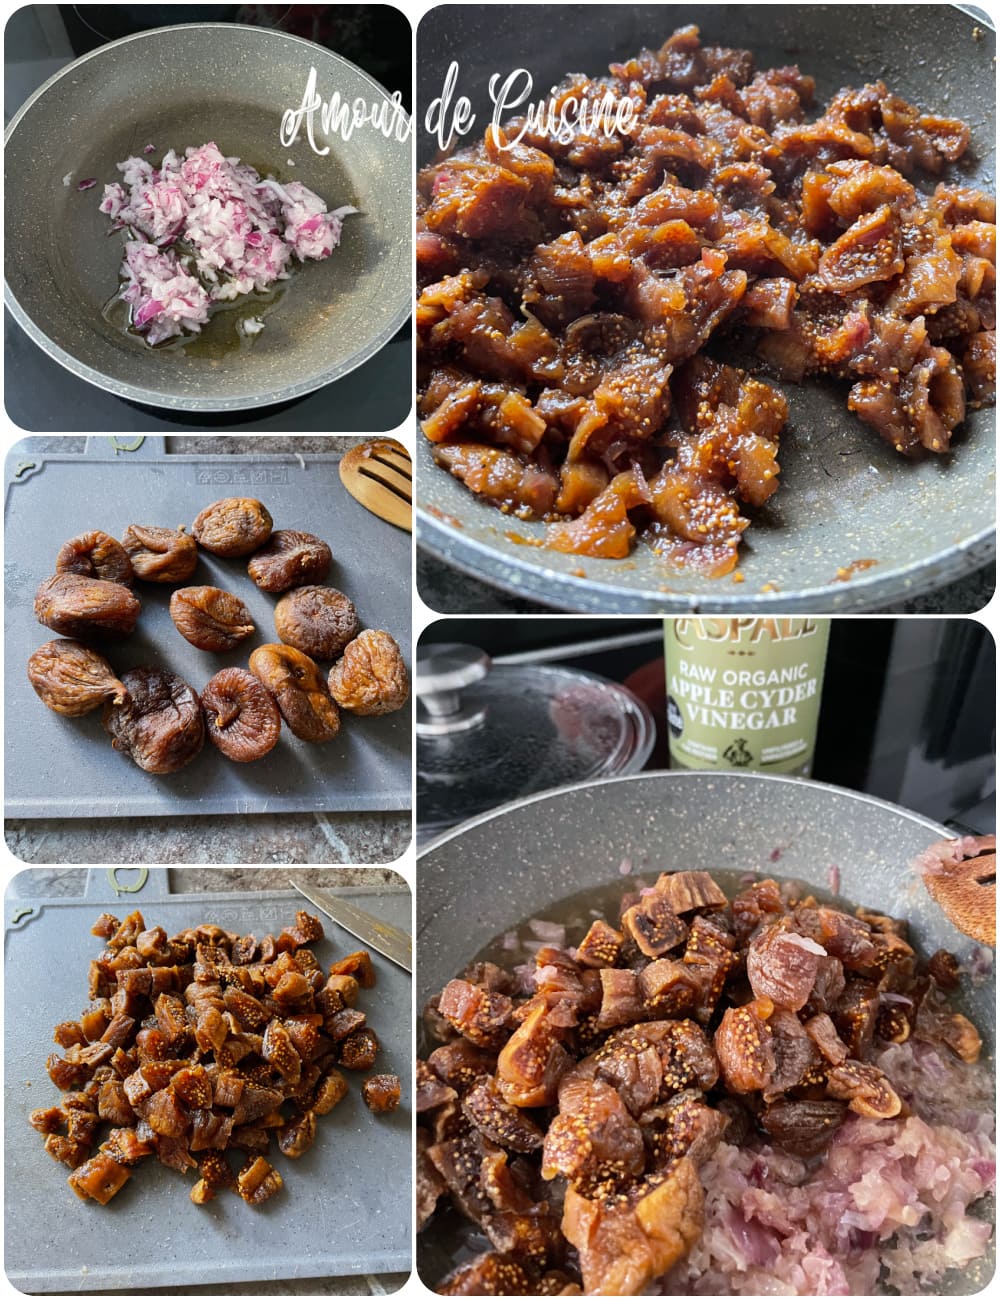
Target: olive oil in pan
222, 336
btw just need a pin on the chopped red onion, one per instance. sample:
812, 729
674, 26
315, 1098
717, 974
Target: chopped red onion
242, 233
88, 184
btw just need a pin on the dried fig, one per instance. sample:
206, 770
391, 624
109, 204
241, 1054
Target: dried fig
233, 526
299, 691
240, 717
319, 621
371, 677
290, 559
77, 606
160, 724
160, 554
210, 618
72, 679
96, 555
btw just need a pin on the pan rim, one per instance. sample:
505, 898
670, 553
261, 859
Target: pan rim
672, 774
149, 397
477, 559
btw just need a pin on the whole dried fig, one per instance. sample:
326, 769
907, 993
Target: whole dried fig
290, 559
72, 679
371, 676
210, 618
241, 719
160, 724
299, 691
160, 554
96, 555
319, 621
233, 526
77, 606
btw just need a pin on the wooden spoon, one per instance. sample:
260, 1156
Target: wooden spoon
379, 474
965, 889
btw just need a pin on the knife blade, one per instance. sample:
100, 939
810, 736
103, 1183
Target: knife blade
387, 939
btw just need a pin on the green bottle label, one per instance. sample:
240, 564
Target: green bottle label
744, 693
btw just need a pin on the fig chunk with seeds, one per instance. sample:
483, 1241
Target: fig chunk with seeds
298, 689
160, 724
381, 1092
290, 559
160, 554
96, 555
319, 621
241, 719
72, 679
210, 618
78, 607
234, 526
370, 678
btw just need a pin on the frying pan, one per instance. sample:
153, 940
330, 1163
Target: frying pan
845, 495
180, 86
491, 874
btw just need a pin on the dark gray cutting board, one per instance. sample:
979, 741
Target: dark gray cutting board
345, 1207
65, 767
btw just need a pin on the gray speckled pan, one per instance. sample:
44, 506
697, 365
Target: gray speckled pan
845, 496
181, 86
488, 876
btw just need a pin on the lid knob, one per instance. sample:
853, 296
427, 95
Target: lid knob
443, 672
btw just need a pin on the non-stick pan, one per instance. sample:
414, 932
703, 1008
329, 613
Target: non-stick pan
491, 874
181, 86
846, 497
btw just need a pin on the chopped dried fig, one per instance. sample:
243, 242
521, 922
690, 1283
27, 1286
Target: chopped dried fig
96, 555
210, 618
290, 559
299, 691
745, 1047
865, 1088
160, 724
234, 526
160, 554
319, 621
72, 679
371, 676
76, 606
241, 719
381, 1092
257, 1181
296, 1137
359, 1050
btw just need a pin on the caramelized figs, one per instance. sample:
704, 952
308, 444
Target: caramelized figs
78, 606
160, 554
290, 559
96, 555
319, 621
160, 724
371, 678
241, 719
298, 689
210, 618
72, 679
234, 526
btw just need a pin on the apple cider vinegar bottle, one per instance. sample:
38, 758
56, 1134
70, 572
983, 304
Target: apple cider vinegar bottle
744, 693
